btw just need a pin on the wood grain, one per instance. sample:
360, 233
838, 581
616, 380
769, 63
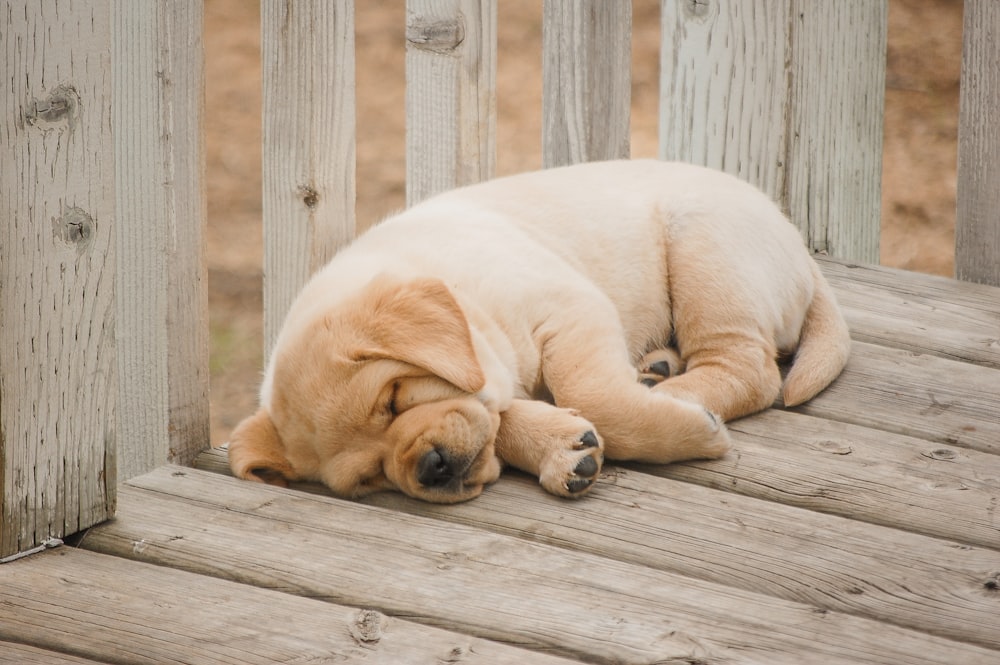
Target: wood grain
769, 547
162, 300
786, 95
58, 381
861, 473
919, 395
586, 80
919, 313
977, 222
724, 86
642, 615
20, 654
828, 562
837, 96
101, 607
309, 142
451, 51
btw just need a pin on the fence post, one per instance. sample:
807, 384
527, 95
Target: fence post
586, 80
162, 301
308, 152
788, 95
451, 50
57, 266
977, 224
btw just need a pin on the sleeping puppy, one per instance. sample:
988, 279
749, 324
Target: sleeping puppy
503, 324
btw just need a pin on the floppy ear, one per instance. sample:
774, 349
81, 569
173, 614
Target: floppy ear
419, 322
256, 452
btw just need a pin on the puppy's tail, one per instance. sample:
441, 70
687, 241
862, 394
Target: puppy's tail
824, 345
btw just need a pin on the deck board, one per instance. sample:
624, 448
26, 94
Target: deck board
858, 472
117, 611
827, 561
568, 601
915, 394
861, 527
919, 313
21, 654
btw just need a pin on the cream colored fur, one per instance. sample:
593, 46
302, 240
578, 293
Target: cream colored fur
500, 323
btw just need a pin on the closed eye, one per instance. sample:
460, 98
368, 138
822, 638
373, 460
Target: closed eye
392, 408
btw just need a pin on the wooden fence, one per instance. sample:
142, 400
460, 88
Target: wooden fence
103, 307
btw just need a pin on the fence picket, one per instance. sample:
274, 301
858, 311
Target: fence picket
162, 295
57, 270
586, 79
977, 223
787, 95
451, 48
309, 143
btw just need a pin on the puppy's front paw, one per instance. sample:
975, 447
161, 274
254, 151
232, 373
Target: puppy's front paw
570, 469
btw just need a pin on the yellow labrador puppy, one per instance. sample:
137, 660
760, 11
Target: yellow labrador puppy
503, 324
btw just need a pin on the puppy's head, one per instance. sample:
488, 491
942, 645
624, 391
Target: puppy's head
377, 393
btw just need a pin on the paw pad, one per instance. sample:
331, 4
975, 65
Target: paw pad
579, 484
661, 368
589, 440
586, 467
659, 365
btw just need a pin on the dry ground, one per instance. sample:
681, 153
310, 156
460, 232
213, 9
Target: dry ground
918, 167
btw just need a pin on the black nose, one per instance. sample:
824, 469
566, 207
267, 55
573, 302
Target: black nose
435, 469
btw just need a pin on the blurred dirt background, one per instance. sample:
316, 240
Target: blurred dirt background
918, 200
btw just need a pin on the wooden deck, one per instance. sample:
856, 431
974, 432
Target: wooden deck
863, 527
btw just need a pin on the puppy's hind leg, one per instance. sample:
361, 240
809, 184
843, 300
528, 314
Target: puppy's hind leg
731, 380
586, 366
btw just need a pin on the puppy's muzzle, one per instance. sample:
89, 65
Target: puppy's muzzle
437, 468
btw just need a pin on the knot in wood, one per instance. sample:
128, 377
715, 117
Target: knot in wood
698, 9
456, 654
942, 454
310, 197
439, 35
75, 228
59, 107
367, 627
835, 447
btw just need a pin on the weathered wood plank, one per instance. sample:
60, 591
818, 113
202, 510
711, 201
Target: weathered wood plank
111, 610
919, 313
829, 562
162, 299
837, 98
860, 473
308, 146
586, 80
184, 518
977, 222
22, 654
722, 74
57, 264
451, 51
786, 95
837, 564
915, 394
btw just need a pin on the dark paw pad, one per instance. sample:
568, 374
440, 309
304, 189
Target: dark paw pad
648, 382
661, 367
589, 440
579, 484
586, 467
